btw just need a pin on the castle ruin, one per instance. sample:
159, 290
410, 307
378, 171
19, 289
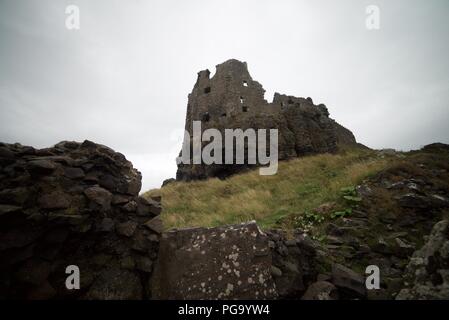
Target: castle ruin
231, 99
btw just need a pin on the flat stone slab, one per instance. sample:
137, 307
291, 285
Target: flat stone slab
230, 262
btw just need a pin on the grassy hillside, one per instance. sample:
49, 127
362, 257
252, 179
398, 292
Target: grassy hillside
299, 186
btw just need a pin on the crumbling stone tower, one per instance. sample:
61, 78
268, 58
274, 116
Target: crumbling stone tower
232, 99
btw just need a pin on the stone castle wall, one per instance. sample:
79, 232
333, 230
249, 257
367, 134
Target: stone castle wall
232, 99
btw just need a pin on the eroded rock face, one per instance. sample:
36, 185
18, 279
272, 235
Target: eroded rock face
232, 262
232, 99
73, 204
428, 269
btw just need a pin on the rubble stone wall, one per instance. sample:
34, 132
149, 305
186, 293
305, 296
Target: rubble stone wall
74, 204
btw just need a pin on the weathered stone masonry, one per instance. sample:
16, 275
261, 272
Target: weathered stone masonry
232, 99
74, 204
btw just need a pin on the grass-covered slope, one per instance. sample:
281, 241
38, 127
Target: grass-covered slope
398, 199
299, 186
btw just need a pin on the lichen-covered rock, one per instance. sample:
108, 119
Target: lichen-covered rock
232, 262
428, 269
321, 290
232, 99
70, 205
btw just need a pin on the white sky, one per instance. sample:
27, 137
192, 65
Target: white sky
123, 79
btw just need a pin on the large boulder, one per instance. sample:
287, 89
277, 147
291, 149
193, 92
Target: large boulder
232, 262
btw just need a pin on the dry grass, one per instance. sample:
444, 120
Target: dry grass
300, 184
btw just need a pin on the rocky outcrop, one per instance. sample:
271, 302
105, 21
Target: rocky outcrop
294, 265
428, 270
74, 204
391, 216
232, 99
345, 137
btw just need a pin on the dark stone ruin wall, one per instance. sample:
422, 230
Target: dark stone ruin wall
78, 204
74, 204
232, 99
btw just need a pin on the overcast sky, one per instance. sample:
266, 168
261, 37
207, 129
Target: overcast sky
123, 79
